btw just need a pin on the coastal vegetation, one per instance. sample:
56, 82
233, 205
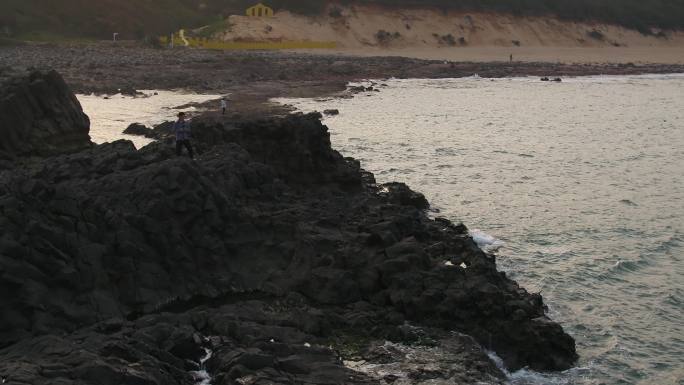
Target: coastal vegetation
636, 14
39, 20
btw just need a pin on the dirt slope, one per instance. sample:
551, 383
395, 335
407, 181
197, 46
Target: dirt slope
356, 27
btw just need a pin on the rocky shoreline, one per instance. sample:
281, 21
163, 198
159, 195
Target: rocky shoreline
253, 78
269, 259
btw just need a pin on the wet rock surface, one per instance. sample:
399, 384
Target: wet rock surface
39, 115
435, 357
270, 250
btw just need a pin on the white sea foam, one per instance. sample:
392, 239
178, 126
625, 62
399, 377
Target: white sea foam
530, 377
485, 241
202, 377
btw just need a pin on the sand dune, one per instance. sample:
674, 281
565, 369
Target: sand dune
462, 36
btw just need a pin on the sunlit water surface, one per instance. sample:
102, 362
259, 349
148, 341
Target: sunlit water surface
582, 182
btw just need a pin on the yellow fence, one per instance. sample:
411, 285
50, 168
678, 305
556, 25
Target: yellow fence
181, 40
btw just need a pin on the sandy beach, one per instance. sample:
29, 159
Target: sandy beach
565, 55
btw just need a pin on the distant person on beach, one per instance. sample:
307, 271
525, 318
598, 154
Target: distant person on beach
182, 130
224, 105
511, 58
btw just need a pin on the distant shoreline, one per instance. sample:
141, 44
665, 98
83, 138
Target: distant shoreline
566, 55
253, 78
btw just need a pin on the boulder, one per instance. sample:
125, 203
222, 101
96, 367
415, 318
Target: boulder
39, 116
400, 193
139, 129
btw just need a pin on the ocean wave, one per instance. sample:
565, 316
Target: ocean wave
485, 241
671, 242
530, 377
629, 266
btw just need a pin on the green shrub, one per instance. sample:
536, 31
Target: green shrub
135, 18
335, 12
596, 35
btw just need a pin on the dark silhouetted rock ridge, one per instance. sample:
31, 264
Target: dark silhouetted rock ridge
39, 115
271, 250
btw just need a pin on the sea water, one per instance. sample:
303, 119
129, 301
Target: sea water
579, 185
110, 115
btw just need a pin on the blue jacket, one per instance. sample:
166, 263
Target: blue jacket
182, 130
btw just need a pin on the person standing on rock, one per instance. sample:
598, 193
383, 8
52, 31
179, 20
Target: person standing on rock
182, 130
224, 105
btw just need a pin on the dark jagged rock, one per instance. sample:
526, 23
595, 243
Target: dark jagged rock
162, 130
121, 266
39, 115
356, 89
139, 129
130, 91
400, 193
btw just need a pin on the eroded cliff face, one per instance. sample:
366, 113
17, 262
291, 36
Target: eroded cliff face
39, 115
395, 27
122, 266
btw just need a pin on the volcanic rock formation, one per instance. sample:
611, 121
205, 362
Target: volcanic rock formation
271, 251
39, 115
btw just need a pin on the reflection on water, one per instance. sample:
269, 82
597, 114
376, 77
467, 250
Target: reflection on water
109, 117
581, 182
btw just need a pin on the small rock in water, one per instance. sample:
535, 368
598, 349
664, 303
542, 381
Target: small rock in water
628, 202
137, 129
332, 112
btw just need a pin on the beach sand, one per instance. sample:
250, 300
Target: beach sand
458, 36
565, 55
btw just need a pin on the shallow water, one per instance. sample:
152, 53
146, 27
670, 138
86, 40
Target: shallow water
580, 183
109, 117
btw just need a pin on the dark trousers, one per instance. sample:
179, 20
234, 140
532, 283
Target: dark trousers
224, 111
179, 147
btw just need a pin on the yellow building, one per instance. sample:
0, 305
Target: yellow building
260, 10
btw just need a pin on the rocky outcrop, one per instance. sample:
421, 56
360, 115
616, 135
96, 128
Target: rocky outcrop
270, 250
39, 115
139, 129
